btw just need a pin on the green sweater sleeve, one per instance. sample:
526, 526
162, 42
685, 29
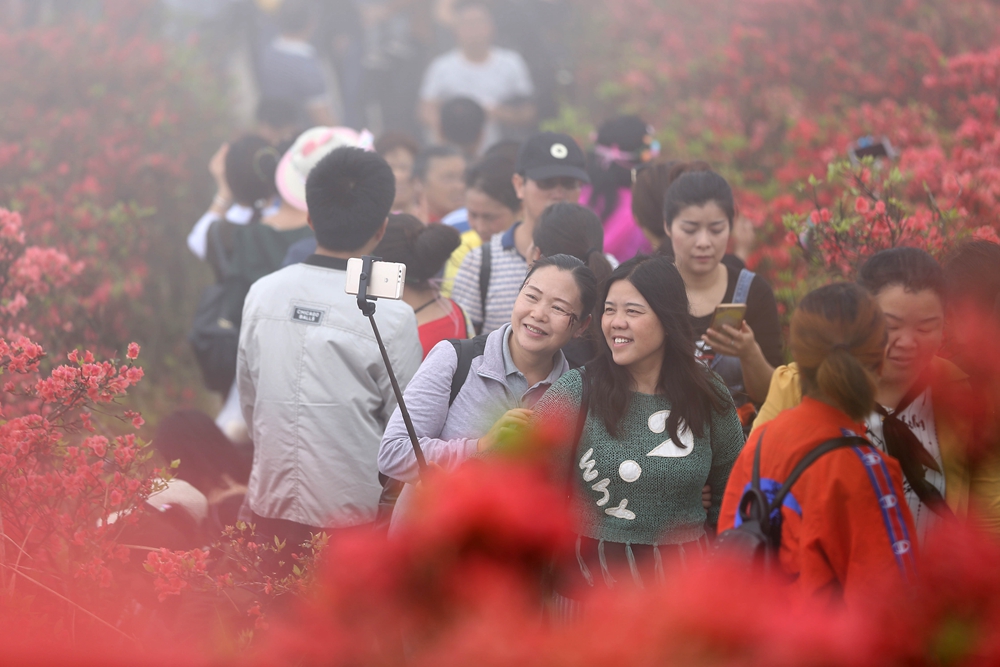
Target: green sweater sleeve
727, 442
555, 417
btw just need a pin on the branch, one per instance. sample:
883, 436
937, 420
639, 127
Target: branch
74, 605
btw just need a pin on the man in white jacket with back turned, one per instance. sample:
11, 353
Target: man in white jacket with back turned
313, 387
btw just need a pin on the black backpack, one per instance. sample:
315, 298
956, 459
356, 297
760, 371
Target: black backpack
757, 539
215, 332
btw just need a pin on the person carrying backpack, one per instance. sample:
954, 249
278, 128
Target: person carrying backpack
844, 524
248, 242
550, 168
468, 395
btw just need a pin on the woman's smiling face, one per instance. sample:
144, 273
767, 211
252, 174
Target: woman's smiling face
547, 313
631, 328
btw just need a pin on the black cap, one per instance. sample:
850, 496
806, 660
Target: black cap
551, 155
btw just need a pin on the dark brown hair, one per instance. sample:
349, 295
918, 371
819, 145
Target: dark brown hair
650, 185
393, 139
493, 176
423, 248
838, 340
572, 229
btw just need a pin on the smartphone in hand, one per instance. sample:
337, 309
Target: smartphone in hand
728, 313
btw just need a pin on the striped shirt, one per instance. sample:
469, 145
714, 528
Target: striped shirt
506, 275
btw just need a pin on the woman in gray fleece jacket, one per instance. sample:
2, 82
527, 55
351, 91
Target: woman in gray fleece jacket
521, 361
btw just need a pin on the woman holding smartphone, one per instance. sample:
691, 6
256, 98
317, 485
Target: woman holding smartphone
699, 211
516, 364
657, 426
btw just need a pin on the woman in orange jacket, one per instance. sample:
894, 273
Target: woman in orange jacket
931, 397
845, 525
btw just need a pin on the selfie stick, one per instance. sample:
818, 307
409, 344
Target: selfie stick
367, 306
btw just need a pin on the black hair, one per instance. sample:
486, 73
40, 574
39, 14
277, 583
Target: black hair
393, 139
911, 268
423, 248
422, 162
462, 121
697, 187
972, 271
493, 175
349, 194
277, 112
204, 451
585, 279
294, 16
250, 165
648, 192
572, 229
508, 148
686, 382
627, 133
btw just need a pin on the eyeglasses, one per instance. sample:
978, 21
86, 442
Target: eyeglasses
564, 182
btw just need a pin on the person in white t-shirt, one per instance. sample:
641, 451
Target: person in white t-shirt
498, 79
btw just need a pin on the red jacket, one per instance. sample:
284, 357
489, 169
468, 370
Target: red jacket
845, 525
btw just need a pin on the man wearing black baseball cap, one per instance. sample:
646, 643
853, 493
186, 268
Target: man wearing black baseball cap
550, 168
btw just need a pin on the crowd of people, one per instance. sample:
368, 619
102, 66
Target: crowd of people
580, 292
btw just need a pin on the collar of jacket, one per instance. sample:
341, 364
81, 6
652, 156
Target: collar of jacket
326, 262
493, 366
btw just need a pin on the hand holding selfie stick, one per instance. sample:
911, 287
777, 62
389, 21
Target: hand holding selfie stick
367, 306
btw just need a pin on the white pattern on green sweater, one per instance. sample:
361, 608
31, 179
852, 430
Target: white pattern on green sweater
659, 500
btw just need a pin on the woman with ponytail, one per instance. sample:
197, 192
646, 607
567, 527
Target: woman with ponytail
845, 526
657, 426
424, 249
247, 240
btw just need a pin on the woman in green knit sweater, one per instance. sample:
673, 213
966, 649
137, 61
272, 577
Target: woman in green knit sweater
659, 426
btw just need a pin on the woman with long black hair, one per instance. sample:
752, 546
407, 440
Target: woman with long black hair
658, 426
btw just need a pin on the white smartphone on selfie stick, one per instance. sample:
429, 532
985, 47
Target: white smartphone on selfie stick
370, 278
386, 281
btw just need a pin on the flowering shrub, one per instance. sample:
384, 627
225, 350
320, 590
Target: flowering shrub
247, 576
103, 144
69, 485
868, 217
772, 93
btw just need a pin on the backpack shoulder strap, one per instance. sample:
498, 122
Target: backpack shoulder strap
485, 269
467, 349
810, 458
742, 290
